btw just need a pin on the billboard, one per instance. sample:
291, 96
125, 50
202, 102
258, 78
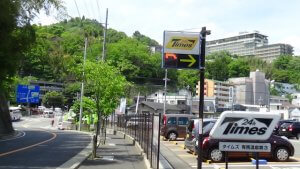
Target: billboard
181, 50
28, 94
241, 125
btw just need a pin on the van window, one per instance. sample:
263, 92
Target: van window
183, 120
171, 120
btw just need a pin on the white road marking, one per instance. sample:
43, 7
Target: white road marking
109, 158
22, 135
216, 166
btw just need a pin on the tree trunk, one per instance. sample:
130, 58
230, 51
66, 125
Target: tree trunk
5, 119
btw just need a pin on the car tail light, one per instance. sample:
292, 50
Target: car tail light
205, 141
290, 128
165, 119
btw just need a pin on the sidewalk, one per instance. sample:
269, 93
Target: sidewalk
117, 153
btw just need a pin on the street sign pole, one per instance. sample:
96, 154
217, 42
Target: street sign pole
204, 32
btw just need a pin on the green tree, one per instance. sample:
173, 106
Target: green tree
71, 91
107, 86
16, 37
144, 39
238, 68
188, 79
53, 99
274, 92
88, 107
217, 66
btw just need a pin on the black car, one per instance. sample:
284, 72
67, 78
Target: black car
290, 129
191, 130
281, 149
276, 129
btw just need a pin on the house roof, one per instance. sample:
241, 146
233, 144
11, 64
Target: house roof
160, 106
157, 106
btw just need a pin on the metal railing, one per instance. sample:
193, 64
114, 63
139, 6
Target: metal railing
140, 128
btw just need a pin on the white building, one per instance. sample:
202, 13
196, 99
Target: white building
182, 97
249, 44
296, 99
284, 88
253, 90
224, 92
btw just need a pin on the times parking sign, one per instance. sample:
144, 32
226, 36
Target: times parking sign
181, 50
244, 125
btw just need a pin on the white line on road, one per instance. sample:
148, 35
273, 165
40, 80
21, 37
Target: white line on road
216, 166
22, 135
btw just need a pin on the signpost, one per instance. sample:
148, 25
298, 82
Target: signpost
28, 94
181, 50
186, 50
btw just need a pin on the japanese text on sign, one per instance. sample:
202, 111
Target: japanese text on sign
245, 146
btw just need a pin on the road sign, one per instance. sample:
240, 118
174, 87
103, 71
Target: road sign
181, 50
240, 125
181, 61
28, 94
245, 147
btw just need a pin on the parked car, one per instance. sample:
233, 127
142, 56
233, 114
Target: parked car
174, 125
290, 129
192, 129
15, 113
48, 113
281, 149
276, 129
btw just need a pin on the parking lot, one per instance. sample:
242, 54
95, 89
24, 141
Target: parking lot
177, 147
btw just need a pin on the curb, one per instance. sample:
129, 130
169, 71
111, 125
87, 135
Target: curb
76, 161
16, 134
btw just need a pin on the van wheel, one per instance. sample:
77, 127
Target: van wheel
215, 155
298, 136
172, 135
281, 154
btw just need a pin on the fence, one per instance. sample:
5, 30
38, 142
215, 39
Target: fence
144, 128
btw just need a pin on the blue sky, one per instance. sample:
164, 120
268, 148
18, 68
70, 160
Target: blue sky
278, 19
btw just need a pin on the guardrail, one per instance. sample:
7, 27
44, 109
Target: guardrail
140, 127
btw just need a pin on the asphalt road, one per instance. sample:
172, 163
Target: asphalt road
40, 146
188, 160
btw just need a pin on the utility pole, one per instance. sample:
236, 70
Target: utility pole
204, 32
166, 79
137, 104
82, 84
104, 37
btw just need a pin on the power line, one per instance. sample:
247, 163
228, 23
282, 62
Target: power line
99, 11
87, 9
93, 11
77, 9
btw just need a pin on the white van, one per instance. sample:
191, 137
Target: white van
15, 113
48, 113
